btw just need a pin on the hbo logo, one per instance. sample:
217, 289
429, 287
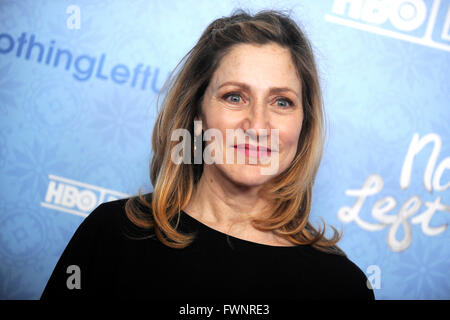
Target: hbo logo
405, 15
70, 196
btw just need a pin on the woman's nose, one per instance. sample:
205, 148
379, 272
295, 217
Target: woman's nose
257, 120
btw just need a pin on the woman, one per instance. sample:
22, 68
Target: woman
223, 229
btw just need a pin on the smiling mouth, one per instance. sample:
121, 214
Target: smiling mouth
253, 151
253, 148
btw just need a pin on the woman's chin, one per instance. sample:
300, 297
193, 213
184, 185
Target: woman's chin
246, 175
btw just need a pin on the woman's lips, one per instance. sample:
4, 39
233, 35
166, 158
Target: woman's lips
253, 151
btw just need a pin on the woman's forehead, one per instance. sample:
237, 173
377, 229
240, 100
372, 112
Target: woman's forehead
258, 66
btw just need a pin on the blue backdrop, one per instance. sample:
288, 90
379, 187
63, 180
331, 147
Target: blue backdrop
78, 87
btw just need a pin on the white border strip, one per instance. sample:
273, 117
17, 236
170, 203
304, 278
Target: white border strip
52, 206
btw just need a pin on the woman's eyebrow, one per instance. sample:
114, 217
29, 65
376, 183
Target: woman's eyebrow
247, 87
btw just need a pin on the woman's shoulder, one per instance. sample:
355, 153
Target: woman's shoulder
107, 211
115, 208
95, 248
111, 216
342, 278
105, 217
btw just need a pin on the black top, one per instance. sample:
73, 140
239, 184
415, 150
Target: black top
215, 266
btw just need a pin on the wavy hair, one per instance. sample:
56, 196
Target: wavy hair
290, 192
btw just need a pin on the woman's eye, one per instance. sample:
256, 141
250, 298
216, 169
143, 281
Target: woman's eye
280, 102
233, 97
284, 103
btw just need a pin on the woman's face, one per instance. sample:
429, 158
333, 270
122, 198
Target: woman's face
255, 87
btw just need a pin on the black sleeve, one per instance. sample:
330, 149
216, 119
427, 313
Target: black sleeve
362, 289
82, 269
349, 281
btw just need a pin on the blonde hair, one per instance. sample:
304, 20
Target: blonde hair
289, 193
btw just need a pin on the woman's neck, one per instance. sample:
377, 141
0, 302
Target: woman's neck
228, 208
